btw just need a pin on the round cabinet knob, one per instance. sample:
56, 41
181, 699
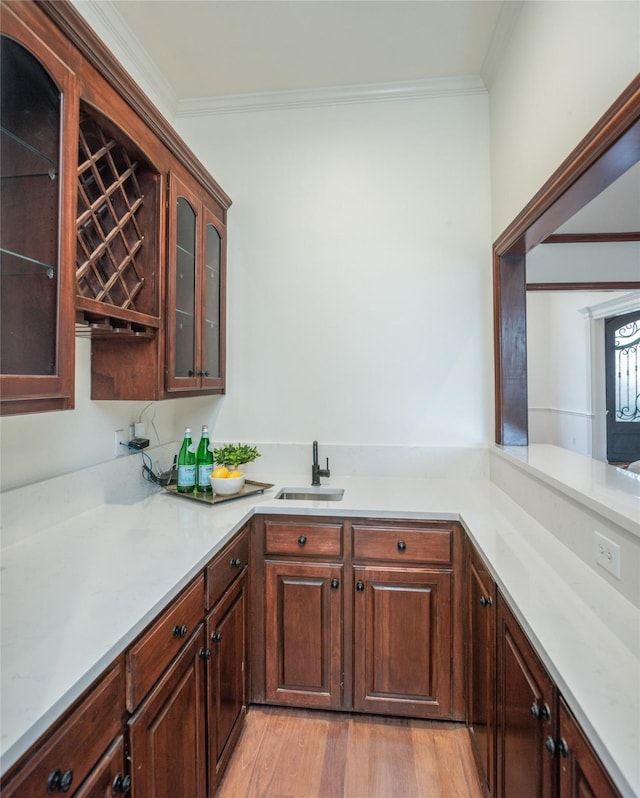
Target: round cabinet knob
235, 562
402, 546
205, 373
205, 653
53, 782
180, 630
65, 781
535, 710
486, 601
216, 637
545, 712
190, 373
121, 784
550, 745
359, 586
335, 584
563, 747
302, 540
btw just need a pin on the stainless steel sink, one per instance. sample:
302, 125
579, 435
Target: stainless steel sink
322, 494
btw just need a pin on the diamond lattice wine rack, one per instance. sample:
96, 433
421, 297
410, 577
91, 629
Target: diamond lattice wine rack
117, 234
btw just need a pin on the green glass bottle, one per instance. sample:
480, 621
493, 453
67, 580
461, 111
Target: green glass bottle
187, 464
204, 462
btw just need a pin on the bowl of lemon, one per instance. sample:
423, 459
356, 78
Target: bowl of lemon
226, 481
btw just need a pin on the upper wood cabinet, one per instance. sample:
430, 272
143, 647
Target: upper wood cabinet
195, 342
94, 241
39, 111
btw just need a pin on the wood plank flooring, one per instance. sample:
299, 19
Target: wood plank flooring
297, 753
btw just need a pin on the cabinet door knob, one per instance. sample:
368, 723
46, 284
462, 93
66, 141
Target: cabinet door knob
563, 747
59, 781
550, 745
180, 630
236, 562
535, 710
216, 637
545, 712
53, 782
486, 601
205, 653
402, 545
190, 373
302, 540
359, 586
335, 584
121, 784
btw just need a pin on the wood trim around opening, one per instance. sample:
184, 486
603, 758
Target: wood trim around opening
610, 148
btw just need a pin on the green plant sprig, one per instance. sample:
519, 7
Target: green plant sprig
235, 454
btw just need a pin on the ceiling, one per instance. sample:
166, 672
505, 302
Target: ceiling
212, 48
205, 48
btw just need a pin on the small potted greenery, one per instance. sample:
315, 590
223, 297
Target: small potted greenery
235, 455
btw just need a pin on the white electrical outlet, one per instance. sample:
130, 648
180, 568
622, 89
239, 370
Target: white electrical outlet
607, 553
120, 451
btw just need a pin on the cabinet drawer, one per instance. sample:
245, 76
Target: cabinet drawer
76, 746
403, 544
303, 540
227, 565
148, 658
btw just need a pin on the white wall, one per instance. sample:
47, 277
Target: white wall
359, 271
559, 368
565, 65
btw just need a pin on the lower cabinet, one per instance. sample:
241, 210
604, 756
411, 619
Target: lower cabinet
162, 720
402, 628
526, 700
480, 661
581, 773
526, 741
226, 675
167, 732
303, 633
108, 777
359, 615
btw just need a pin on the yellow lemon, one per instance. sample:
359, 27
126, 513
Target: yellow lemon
222, 472
233, 474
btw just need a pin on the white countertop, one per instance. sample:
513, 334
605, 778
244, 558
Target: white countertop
78, 592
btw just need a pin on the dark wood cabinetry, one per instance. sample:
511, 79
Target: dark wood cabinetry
526, 701
581, 772
82, 752
195, 357
359, 616
480, 662
226, 634
167, 732
303, 633
84, 146
39, 109
402, 633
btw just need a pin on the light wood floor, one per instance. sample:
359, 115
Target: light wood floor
296, 753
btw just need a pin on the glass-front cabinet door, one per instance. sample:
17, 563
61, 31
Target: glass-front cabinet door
195, 294
213, 290
38, 112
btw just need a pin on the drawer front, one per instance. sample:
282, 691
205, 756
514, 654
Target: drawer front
148, 658
74, 749
303, 540
226, 567
403, 544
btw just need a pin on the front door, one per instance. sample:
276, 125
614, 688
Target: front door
622, 363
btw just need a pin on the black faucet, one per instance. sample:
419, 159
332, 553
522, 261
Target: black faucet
316, 471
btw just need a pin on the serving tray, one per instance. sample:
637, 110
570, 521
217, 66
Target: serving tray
249, 488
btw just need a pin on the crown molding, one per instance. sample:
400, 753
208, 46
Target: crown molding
103, 16
613, 307
503, 31
331, 95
